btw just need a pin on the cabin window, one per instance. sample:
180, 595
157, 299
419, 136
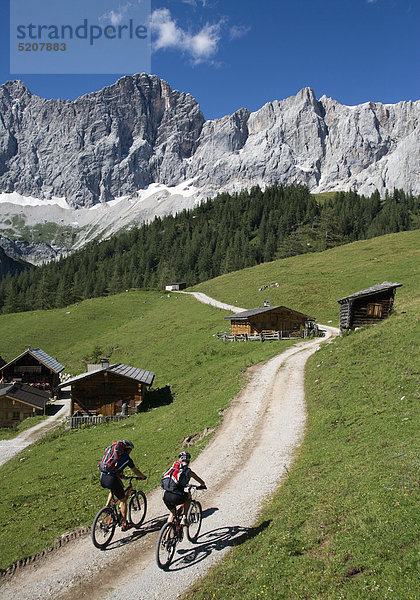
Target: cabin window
16, 415
374, 310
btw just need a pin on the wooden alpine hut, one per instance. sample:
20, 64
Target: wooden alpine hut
175, 286
34, 367
109, 390
268, 320
368, 306
19, 401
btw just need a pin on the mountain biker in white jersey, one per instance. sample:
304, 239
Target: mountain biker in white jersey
173, 499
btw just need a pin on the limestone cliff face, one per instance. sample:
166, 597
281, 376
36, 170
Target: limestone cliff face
321, 143
139, 131
100, 146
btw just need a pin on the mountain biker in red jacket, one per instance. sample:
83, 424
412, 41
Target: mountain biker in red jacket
112, 482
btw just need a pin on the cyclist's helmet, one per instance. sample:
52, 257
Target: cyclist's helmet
184, 456
128, 445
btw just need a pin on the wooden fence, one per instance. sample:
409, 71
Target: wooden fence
76, 422
273, 335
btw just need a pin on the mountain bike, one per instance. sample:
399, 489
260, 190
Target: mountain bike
107, 519
172, 533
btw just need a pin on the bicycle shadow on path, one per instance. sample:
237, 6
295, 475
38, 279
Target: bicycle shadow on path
215, 541
150, 526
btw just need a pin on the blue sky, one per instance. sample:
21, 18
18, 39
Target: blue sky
234, 53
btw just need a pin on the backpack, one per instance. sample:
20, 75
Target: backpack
176, 478
111, 457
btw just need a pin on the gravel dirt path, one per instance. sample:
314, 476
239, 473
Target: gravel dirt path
207, 300
8, 448
242, 465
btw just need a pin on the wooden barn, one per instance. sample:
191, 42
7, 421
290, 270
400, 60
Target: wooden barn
19, 401
34, 367
367, 306
109, 390
268, 319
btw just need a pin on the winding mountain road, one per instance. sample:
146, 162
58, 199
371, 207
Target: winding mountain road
242, 465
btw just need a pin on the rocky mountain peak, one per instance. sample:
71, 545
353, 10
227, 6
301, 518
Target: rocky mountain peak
139, 131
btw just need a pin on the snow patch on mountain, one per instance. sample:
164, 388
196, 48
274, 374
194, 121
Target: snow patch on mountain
138, 149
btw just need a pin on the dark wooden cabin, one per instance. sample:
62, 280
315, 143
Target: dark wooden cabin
34, 367
175, 286
268, 319
105, 390
367, 307
19, 401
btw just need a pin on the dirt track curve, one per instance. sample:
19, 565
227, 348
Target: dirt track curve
242, 465
8, 448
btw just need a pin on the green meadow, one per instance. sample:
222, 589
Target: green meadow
53, 486
8, 433
343, 524
312, 283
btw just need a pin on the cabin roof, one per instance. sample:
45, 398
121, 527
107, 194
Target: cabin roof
24, 393
139, 375
245, 314
42, 357
374, 289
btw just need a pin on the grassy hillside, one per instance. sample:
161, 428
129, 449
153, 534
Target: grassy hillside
313, 283
53, 486
345, 522
342, 525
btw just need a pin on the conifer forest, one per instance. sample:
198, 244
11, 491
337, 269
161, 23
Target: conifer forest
228, 233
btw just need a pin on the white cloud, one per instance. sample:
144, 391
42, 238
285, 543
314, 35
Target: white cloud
117, 16
205, 43
238, 31
167, 34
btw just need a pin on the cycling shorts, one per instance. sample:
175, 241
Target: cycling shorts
172, 500
113, 483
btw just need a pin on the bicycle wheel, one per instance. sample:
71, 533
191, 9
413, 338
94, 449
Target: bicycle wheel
166, 544
195, 516
103, 527
137, 507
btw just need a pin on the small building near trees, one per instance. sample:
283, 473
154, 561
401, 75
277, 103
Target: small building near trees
368, 306
269, 320
175, 286
19, 401
108, 390
33, 367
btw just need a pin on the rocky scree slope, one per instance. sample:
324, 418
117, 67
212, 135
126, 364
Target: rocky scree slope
139, 131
